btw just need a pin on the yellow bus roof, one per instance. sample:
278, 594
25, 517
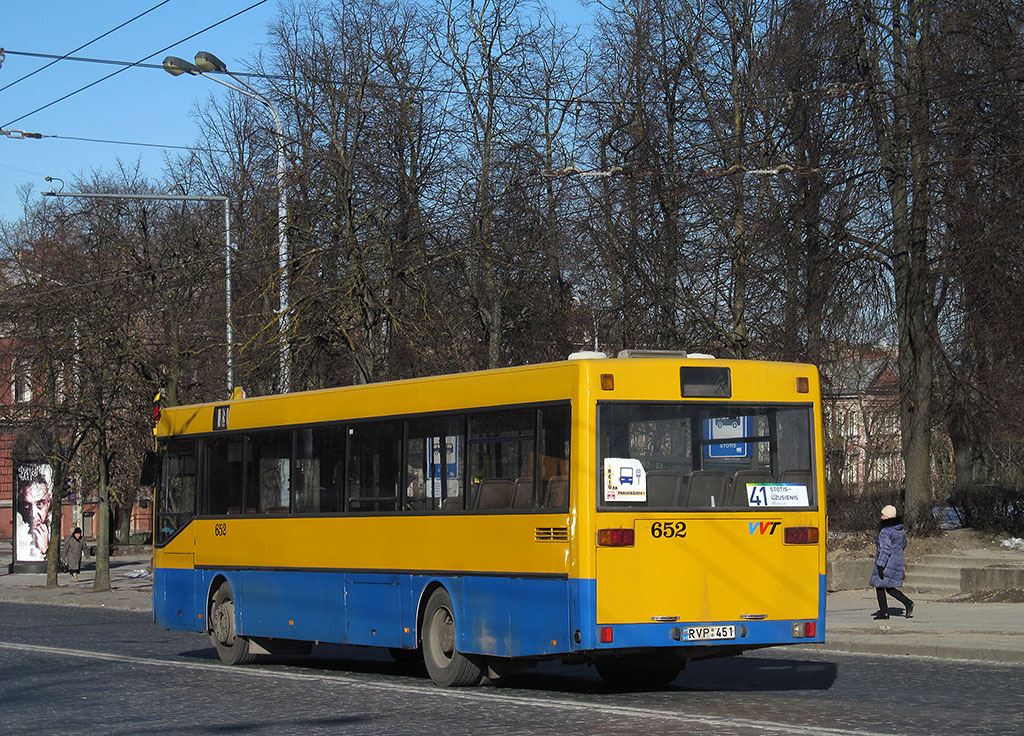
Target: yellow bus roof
635, 378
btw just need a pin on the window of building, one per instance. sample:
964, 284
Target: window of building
22, 383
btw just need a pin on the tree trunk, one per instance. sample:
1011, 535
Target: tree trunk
102, 581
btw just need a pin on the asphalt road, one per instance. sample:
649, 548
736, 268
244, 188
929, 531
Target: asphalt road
91, 670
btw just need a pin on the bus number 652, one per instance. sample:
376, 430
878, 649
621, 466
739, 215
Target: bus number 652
668, 529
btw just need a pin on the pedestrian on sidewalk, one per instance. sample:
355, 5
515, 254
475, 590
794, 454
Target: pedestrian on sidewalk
74, 547
887, 577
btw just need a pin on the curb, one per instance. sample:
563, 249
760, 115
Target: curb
915, 649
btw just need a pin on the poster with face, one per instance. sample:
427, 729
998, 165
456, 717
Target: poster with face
33, 518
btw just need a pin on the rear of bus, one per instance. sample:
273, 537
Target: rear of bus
709, 522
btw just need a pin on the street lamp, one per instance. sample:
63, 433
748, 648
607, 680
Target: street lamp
205, 63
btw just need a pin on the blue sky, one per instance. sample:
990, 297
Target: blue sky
138, 105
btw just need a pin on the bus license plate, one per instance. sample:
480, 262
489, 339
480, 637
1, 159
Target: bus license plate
708, 633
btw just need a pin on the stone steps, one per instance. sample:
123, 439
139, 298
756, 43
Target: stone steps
942, 574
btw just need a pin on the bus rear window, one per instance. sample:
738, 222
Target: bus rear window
711, 457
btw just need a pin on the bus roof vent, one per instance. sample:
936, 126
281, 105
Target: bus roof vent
587, 355
652, 354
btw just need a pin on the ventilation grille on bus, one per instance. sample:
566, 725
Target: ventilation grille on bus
552, 534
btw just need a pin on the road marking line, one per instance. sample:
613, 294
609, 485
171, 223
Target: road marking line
474, 696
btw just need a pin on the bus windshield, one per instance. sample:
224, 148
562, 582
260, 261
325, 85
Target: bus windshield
711, 457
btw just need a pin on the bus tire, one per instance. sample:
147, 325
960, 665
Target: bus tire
446, 665
231, 648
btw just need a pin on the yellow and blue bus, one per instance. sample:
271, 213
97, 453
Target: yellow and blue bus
631, 513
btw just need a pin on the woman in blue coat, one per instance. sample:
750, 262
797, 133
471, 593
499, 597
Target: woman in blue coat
888, 574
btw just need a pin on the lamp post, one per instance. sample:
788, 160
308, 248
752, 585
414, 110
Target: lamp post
205, 63
227, 243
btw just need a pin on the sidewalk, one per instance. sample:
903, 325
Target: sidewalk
131, 583
945, 628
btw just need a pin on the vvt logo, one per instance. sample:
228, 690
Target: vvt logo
763, 527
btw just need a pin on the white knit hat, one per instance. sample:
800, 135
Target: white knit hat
889, 512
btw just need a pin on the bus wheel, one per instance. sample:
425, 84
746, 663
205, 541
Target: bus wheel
639, 672
231, 649
446, 666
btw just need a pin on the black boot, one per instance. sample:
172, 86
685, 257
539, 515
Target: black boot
910, 609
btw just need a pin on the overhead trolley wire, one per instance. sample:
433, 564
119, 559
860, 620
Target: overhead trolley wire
148, 56
87, 43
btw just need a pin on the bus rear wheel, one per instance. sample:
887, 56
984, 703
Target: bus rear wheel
446, 665
231, 648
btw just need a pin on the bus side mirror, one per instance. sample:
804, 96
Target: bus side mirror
150, 470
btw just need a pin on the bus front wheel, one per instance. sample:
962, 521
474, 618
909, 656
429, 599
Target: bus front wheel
446, 665
231, 648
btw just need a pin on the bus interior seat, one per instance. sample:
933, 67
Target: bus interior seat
556, 492
494, 493
737, 496
802, 477
277, 510
452, 503
522, 493
706, 489
663, 487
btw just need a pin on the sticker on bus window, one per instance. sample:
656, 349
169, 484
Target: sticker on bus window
624, 480
761, 495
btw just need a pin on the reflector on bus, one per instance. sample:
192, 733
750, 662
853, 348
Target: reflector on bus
615, 537
800, 535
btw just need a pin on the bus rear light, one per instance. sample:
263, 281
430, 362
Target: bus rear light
805, 629
800, 535
615, 537
606, 634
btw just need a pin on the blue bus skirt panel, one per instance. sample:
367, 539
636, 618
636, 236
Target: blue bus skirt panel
495, 615
176, 599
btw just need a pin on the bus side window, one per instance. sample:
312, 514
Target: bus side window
434, 473
501, 450
319, 478
553, 448
176, 495
374, 466
224, 468
270, 473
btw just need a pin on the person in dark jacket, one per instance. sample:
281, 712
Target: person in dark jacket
887, 576
74, 547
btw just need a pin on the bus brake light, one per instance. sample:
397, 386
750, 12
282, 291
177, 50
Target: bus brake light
615, 537
800, 535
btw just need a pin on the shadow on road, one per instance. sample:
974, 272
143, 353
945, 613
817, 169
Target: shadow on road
732, 674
